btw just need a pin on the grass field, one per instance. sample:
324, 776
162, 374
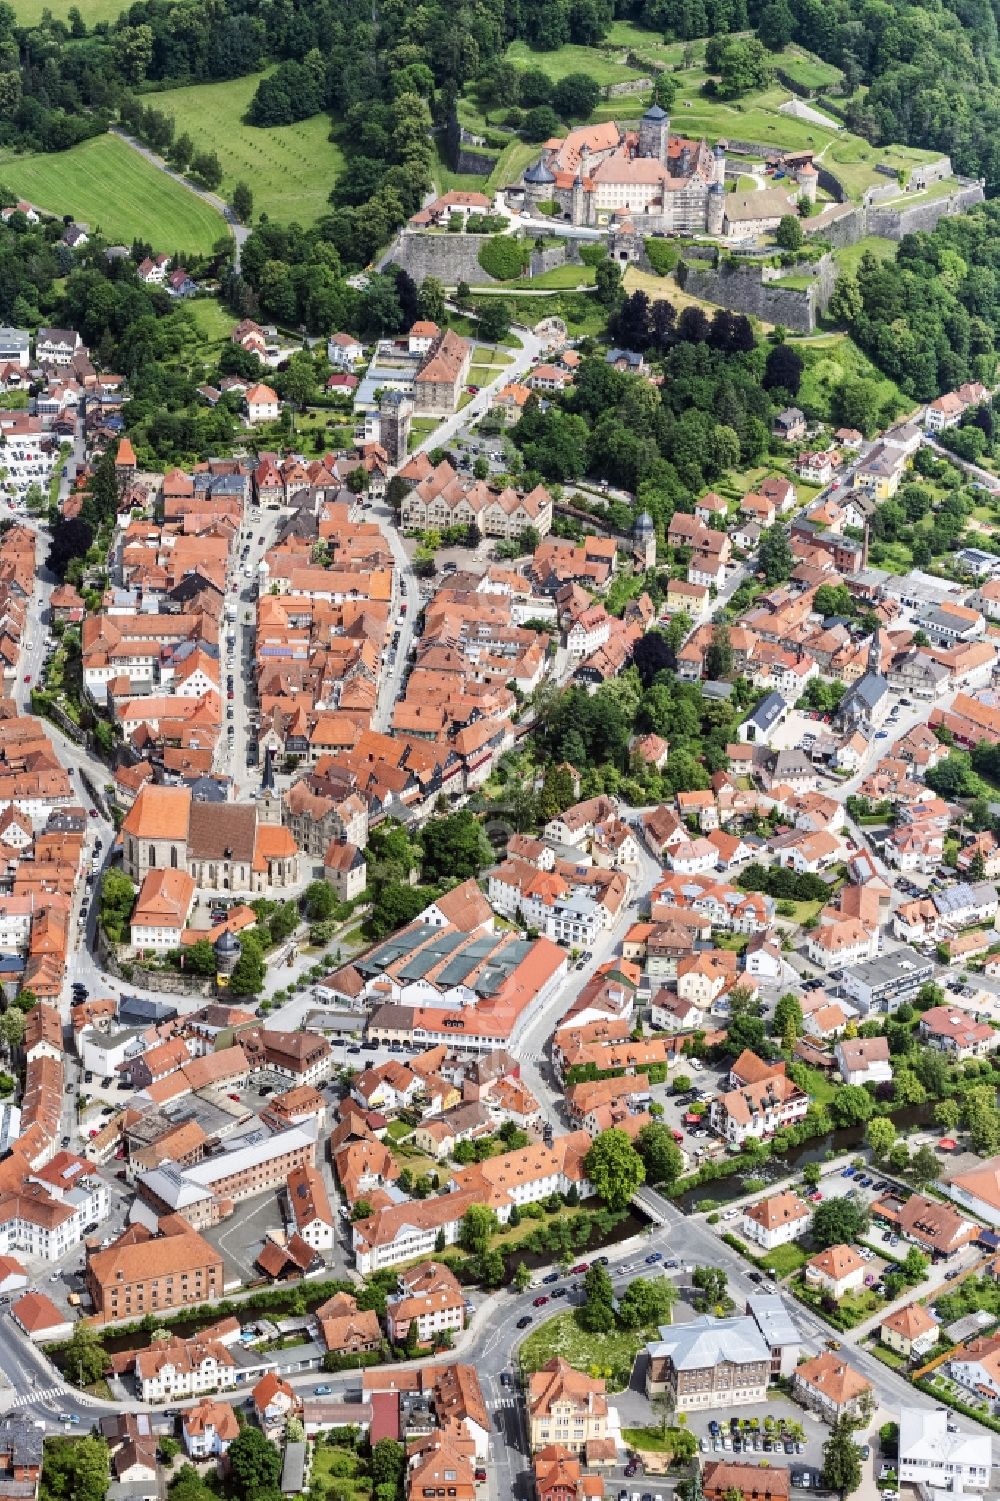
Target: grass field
290, 168
557, 278
510, 164
848, 256
602, 67
852, 160
627, 34
563, 1336
29, 12
808, 72
108, 185
784, 1260
210, 318
827, 362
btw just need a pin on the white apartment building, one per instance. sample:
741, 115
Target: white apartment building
934, 1452
184, 1368
37, 1220
834, 944
15, 347
15, 923
573, 917
28, 453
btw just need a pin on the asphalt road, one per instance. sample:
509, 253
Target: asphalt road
405, 591
530, 1039
524, 358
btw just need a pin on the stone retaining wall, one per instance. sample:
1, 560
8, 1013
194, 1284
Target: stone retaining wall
894, 223
451, 258
170, 982
742, 289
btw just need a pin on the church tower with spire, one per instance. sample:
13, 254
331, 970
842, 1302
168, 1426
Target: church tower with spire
875, 652
268, 798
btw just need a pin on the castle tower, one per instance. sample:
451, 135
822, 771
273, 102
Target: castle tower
125, 466
578, 201
808, 180
716, 209
654, 133
538, 183
395, 412
268, 798
227, 953
719, 164
644, 539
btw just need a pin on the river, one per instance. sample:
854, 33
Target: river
787, 1164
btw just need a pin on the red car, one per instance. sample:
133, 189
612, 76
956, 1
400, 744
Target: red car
93, 812
27, 677
235, 1097
816, 1196
540, 1302
481, 1473
473, 390
582, 1266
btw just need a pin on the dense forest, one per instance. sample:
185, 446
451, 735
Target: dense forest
929, 318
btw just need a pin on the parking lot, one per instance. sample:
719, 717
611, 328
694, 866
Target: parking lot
695, 1137
760, 1434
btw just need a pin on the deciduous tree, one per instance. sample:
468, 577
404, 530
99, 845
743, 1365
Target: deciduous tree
614, 1167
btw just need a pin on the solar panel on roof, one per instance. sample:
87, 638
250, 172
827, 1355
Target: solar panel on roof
431, 955
392, 950
467, 959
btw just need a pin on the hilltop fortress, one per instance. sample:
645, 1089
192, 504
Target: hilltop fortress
599, 171
662, 182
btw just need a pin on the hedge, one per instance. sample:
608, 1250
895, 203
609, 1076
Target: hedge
924, 1385
334, 1360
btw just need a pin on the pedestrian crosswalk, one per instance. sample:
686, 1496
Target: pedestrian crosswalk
33, 1396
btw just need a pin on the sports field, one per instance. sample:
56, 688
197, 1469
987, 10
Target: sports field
290, 168
109, 186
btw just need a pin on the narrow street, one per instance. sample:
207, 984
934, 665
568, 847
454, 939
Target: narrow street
531, 1036
406, 591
